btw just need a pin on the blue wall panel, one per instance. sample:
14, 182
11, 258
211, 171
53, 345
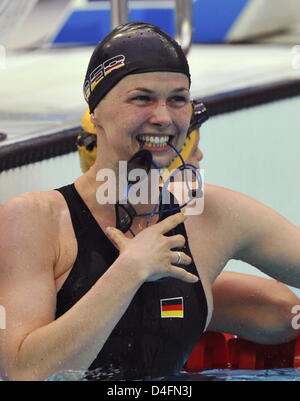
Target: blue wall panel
212, 19
84, 27
164, 18
90, 26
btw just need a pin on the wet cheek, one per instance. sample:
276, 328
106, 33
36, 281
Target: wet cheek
182, 121
133, 117
185, 120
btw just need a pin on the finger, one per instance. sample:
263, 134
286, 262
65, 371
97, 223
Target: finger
176, 241
170, 222
117, 237
181, 274
180, 258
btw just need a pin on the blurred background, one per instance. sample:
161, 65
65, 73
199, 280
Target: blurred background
32, 23
245, 62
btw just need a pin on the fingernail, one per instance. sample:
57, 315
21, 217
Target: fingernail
109, 230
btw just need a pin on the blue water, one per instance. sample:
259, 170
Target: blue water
208, 375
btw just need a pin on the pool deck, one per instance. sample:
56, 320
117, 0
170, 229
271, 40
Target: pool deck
41, 90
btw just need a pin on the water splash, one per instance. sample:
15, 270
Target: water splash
208, 375
86, 375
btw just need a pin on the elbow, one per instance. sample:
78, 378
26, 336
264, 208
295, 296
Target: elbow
282, 324
288, 322
16, 371
14, 374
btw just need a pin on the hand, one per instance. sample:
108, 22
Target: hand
150, 254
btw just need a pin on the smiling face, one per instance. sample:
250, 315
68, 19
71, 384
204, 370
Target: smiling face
143, 110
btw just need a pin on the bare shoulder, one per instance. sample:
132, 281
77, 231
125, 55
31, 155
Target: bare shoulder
233, 217
251, 220
30, 203
222, 205
230, 204
31, 221
41, 208
220, 197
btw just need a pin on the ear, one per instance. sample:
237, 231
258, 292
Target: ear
93, 119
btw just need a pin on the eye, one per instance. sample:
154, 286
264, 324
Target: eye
178, 101
141, 100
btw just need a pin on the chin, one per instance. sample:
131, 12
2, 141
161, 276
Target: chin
162, 162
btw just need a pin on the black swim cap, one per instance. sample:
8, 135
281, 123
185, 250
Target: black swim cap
132, 48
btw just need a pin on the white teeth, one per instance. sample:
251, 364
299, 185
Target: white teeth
150, 140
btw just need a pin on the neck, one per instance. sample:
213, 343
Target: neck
91, 191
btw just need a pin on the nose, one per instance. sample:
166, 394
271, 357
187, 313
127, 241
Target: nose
160, 115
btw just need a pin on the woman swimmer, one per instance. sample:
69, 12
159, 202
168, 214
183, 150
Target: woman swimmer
259, 296
79, 294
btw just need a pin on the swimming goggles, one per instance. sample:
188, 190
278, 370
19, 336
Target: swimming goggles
125, 212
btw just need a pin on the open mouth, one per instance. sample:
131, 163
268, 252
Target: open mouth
155, 142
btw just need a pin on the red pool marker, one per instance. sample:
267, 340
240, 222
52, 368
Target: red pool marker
221, 351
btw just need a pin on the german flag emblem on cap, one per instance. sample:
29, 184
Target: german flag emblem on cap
171, 307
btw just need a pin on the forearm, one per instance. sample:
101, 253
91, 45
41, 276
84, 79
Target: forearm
74, 340
253, 308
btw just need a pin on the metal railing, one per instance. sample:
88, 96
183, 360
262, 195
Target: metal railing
183, 19
119, 12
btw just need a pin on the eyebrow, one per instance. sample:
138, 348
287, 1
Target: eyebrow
151, 91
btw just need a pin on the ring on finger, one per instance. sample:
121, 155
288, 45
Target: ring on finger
179, 260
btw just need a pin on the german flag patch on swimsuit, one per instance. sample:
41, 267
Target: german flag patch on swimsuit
171, 307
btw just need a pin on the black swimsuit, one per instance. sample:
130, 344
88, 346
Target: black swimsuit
163, 322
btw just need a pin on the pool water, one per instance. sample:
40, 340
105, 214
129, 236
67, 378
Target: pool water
208, 375
246, 375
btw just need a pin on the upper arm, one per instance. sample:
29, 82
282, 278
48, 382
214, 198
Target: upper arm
269, 241
27, 286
